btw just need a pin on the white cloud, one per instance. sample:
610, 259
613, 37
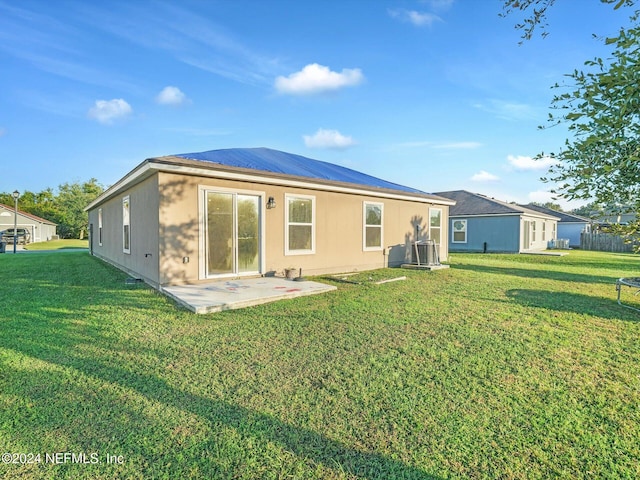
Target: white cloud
483, 176
328, 139
522, 162
316, 78
508, 110
419, 19
171, 96
108, 111
184, 35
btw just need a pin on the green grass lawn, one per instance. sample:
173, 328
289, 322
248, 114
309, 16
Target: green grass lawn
57, 245
500, 367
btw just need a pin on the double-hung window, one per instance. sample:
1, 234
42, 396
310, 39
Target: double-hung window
435, 224
300, 220
372, 227
126, 225
533, 231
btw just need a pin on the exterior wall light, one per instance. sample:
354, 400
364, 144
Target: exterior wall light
271, 203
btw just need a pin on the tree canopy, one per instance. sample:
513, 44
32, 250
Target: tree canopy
66, 207
552, 205
601, 161
536, 14
600, 104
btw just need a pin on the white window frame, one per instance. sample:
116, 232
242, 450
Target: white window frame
100, 226
126, 222
453, 230
544, 231
438, 227
288, 197
202, 222
365, 247
533, 231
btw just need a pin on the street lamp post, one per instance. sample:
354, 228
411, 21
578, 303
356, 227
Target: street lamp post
16, 194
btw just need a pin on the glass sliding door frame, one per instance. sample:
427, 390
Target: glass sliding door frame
236, 247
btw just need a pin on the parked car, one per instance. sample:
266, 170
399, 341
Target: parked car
24, 236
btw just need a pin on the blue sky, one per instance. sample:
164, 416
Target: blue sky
433, 94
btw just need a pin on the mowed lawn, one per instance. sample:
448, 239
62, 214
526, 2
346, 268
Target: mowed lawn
56, 245
504, 366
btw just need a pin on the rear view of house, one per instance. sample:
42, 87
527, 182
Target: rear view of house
193, 217
482, 224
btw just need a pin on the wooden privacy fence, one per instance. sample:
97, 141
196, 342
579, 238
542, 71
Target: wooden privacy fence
604, 242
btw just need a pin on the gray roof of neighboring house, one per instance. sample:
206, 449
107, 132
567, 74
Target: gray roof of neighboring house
564, 217
468, 203
275, 161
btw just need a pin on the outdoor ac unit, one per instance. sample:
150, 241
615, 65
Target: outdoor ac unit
560, 243
425, 253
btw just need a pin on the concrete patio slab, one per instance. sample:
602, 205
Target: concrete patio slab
222, 295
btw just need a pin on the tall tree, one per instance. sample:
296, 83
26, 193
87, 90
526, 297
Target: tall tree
71, 200
552, 205
601, 162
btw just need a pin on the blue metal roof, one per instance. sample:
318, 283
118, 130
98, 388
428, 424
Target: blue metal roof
275, 161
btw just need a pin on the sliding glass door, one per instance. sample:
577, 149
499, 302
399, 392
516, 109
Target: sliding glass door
232, 233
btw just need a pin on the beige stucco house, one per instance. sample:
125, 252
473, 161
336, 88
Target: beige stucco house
194, 217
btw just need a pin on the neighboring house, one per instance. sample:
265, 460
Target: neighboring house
40, 229
482, 224
247, 212
570, 226
621, 218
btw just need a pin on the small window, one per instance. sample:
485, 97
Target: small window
100, 226
459, 231
372, 226
544, 231
126, 225
300, 225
